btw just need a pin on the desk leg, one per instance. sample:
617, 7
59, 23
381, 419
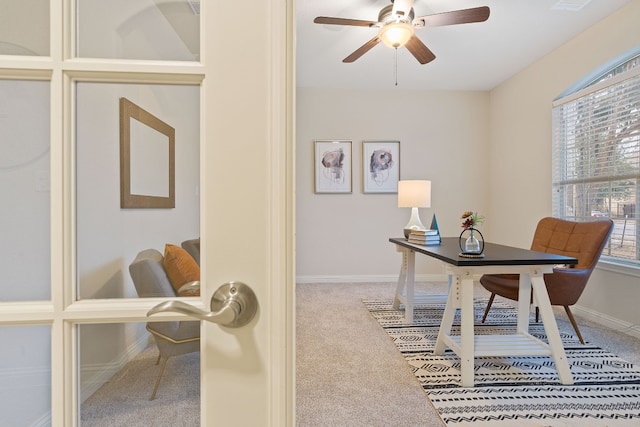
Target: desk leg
551, 328
448, 315
467, 315
524, 305
406, 282
460, 296
402, 278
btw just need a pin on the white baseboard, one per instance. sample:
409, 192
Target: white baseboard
368, 278
607, 321
95, 376
594, 316
25, 386
43, 421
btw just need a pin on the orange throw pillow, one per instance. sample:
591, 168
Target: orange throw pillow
181, 268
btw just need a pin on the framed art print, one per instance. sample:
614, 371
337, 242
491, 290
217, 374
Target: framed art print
332, 166
147, 159
380, 166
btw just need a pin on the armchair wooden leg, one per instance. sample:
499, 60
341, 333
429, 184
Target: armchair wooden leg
573, 323
155, 388
486, 310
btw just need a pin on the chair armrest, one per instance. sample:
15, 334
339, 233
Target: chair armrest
189, 286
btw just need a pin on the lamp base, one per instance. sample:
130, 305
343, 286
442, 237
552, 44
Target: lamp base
414, 223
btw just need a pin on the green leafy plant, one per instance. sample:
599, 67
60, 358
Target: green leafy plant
471, 220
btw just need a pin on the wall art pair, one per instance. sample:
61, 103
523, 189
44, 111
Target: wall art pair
333, 166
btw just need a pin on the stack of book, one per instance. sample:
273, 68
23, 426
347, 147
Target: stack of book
424, 237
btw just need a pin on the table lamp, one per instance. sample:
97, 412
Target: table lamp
414, 194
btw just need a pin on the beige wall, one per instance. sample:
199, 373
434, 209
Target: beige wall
519, 158
443, 137
489, 152
520, 112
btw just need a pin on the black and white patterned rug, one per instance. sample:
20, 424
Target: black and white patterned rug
513, 391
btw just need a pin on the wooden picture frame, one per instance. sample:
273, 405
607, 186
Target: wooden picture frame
333, 166
380, 166
147, 159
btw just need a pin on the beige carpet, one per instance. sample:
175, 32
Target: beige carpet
124, 400
349, 372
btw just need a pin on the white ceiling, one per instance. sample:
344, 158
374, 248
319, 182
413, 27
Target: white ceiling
476, 56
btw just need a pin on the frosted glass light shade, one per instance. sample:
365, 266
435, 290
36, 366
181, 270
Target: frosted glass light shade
396, 34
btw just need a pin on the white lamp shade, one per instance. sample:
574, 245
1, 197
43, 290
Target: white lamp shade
414, 194
396, 34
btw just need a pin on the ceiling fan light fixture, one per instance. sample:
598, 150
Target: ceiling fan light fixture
396, 34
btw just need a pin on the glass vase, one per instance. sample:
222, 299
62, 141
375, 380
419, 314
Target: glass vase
472, 245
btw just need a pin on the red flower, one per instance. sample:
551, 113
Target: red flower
471, 219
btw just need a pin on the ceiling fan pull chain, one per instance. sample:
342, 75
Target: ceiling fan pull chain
396, 66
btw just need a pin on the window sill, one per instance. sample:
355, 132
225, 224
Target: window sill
619, 267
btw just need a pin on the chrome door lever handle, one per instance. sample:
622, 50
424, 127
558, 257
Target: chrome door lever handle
233, 305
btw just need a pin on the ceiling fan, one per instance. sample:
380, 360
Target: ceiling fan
397, 25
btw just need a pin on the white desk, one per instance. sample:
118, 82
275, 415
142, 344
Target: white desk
405, 290
530, 265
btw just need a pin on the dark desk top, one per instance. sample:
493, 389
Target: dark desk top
494, 254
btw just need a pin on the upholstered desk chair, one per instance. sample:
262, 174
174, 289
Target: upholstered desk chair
172, 338
582, 240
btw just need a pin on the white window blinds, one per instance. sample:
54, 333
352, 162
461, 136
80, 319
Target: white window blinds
596, 158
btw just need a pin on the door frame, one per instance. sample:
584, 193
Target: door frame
260, 113
274, 404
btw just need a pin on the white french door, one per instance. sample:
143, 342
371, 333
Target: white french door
61, 66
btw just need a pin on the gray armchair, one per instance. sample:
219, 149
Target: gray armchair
172, 338
193, 247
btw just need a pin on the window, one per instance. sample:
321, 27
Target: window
596, 156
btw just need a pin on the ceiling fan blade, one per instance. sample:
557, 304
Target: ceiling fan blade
343, 21
464, 16
362, 50
419, 50
402, 7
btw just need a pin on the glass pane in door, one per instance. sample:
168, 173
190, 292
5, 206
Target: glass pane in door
121, 365
24, 191
25, 369
24, 27
148, 206
139, 29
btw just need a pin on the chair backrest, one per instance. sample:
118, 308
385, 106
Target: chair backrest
193, 247
149, 276
151, 280
582, 240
